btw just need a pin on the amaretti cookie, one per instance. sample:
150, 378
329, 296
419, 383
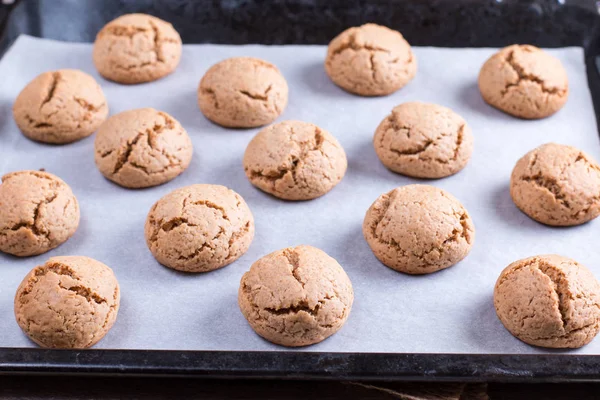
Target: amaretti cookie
38, 212
60, 107
418, 229
524, 81
295, 160
242, 92
370, 60
296, 296
199, 228
549, 301
142, 148
423, 140
557, 185
136, 48
70, 302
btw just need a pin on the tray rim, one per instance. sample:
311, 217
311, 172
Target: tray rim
306, 365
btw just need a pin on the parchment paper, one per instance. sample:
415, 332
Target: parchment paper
449, 311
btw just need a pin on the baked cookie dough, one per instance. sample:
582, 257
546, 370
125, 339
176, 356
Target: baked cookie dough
69, 302
549, 301
142, 148
242, 92
418, 229
524, 81
136, 48
423, 140
296, 296
557, 185
295, 160
60, 107
370, 60
199, 228
38, 212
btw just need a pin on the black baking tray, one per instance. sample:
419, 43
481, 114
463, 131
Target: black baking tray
443, 23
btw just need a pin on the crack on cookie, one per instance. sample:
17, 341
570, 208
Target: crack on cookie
87, 105
51, 89
455, 236
295, 309
560, 288
293, 259
35, 227
84, 292
157, 42
566, 335
254, 96
207, 244
550, 184
210, 92
353, 45
123, 30
372, 66
124, 156
236, 236
523, 76
212, 205
174, 223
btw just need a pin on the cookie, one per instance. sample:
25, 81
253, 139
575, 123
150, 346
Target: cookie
69, 302
199, 228
38, 212
242, 92
136, 48
295, 160
549, 301
524, 81
60, 107
370, 60
423, 140
557, 185
418, 229
296, 296
142, 148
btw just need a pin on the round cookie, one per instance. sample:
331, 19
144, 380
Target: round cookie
295, 160
142, 148
297, 296
242, 92
418, 229
60, 107
136, 48
38, 212
549, 301
423, 140
557, 185
70, 302
370, 60
524, 81
199, 228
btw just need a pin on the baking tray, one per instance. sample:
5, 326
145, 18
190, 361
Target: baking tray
434, 23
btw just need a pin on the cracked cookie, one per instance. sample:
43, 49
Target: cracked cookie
242, 92
60, 107
295, 160
297, 296
524, 81
70, 302
199, 228
38, 212
557, 185
418, 229
142, 148
549, 301
423, 140
136, 48
370, 60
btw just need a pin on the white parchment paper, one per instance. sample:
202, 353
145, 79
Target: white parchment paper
449, 311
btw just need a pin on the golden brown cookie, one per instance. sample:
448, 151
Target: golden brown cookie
418, 229
242, 92
136, 48
370, 60
524, 81
423, 140
557, 185
142, 148
38, 212
60, 107
295, 160
199, 228
296, 296
69, 302
549, 301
